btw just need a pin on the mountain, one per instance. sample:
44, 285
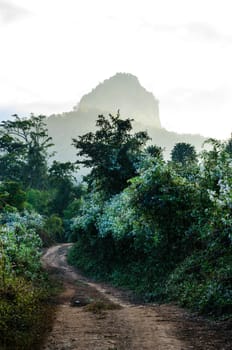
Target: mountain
124, 92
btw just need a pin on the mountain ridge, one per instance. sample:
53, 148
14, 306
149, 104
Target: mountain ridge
121, 91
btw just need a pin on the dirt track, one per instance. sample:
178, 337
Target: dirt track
125, 325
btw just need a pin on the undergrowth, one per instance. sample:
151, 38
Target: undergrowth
25, 313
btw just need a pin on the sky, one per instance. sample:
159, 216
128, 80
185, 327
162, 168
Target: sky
52, 52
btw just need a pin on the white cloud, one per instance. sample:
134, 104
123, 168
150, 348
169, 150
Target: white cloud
198, 110
66, 47
193, 31
10, 12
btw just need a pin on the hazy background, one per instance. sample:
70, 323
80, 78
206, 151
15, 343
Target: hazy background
55, 51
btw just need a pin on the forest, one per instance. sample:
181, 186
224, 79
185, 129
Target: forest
160, 228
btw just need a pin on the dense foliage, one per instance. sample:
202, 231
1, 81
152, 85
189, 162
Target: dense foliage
183, 153
33, 197
111, 152
24, 145
161, 228
22, 281
167, 235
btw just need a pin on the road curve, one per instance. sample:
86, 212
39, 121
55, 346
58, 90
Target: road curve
126, 327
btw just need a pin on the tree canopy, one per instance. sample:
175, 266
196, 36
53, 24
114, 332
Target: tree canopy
183, 153
24, 145
112, 152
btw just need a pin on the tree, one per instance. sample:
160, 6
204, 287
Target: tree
229, 146
183, 153
12, 160
111, 152
24, 147
155, 151
12, 195
61, 179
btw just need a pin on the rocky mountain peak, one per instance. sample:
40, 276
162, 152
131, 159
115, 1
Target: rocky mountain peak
123, 91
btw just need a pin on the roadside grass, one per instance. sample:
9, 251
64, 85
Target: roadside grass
26, 312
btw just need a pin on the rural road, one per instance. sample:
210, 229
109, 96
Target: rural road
81, 321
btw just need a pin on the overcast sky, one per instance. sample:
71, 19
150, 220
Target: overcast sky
54, 51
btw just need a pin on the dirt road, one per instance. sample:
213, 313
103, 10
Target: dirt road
93, 316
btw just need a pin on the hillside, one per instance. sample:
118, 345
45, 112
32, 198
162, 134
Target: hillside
124, 92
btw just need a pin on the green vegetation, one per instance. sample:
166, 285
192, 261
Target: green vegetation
33, 196
111, 153
183, 153
24, 147
23, 284
161, 228
166, 234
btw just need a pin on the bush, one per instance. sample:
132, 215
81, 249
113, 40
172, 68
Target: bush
23, 284
20, 244
38, 200
54, 228
12, 195
203, 282
21, 314
168, 235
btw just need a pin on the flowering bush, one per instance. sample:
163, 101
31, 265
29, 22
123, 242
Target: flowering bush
167, 235
20, 244
21, 280
90, 209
